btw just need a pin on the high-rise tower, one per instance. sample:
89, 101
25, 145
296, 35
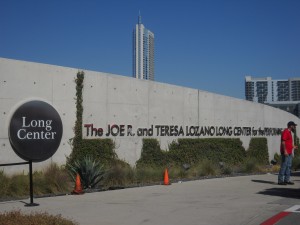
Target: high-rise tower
143, 52
266, 90
283, 94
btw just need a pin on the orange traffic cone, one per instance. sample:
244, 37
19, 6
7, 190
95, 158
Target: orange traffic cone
78, 187
166, 178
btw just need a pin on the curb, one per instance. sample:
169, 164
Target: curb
274, 219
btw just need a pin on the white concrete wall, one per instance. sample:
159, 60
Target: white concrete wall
111, 99
22, 81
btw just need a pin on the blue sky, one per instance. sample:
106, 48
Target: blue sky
209, 45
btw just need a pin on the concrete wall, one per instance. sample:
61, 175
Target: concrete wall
118, 100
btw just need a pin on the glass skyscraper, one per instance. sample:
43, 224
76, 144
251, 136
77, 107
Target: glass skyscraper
266, 90
143, 52
282, 94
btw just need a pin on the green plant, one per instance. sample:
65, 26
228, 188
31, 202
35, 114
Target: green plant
100, 149
40, 184
193, 151
296, 159
277, 158
258, 150
149, 174
178, 172
76, 141
226, 169
206, 168
38, 218
79, 108
57, 178
119, 174
250, 166
52, 180
19, 185
296, 163
91, 171
5, 183
152, 155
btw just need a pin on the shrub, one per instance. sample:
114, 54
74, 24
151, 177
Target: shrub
205, 168
17, 218
277, 158
119, 174
91, 171
202, 155
52, 180
178, 172
101, 150
19, 185
193, 151
258, 150
296, 159
57, 178
5, 183
250, 166
152, 155
149, 174
296, 163
227, 170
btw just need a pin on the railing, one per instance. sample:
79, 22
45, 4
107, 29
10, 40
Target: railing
30, 179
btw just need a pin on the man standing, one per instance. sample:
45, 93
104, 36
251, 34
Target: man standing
286, 150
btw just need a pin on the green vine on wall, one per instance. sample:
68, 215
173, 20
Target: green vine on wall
79, 109
76, 141
101, 150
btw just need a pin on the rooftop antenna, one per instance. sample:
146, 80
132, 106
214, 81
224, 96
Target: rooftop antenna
140, 18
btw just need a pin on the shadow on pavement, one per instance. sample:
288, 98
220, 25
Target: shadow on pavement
264, 181
282, 192
295, 174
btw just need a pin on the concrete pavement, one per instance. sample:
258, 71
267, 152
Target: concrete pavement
243, 200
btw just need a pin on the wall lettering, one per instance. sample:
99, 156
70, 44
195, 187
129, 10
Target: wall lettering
125, 130
24, 134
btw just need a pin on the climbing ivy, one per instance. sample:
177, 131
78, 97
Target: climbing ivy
79, 111
99, 149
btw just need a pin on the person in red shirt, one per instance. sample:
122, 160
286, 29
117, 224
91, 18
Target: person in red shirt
286, 149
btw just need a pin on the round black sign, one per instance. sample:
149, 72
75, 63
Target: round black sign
35, 131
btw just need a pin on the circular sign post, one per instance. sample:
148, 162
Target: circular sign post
35, 132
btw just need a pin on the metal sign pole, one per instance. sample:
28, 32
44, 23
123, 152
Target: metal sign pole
31, 186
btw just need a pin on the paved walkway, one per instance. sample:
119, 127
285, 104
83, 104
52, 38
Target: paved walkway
244, 200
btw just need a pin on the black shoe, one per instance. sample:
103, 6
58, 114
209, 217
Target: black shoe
281, 183
289, 182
